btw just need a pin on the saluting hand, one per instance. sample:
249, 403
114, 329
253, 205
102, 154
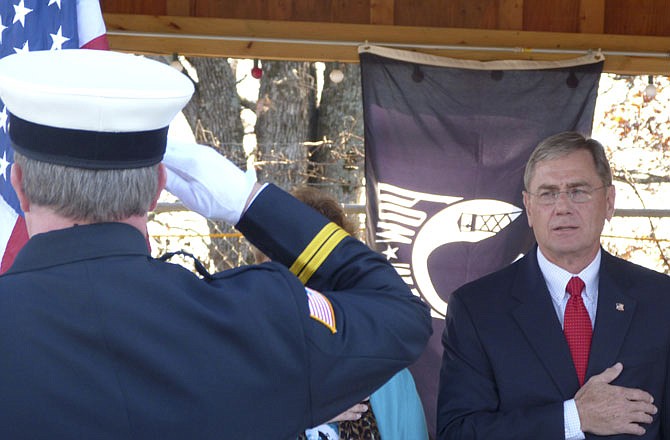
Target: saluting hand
206, 182
606, 409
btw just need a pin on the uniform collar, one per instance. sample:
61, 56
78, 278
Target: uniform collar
78, 243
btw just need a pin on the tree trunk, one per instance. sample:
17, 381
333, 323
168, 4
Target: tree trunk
285, 114
214, 111
214, 115
338, 161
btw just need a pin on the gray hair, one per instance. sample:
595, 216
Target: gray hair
562, 144
88, 195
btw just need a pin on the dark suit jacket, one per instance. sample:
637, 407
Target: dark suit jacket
100, 341
507, 369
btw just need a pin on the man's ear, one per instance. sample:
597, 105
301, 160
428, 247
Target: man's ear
16, 178
162, 178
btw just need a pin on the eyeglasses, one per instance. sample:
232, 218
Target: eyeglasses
577, 195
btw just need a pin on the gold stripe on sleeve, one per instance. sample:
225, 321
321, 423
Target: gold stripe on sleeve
317, 251
312, 248
321, 255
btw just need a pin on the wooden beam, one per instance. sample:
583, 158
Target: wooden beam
382, 11
338, 42
510, 15
178, 7
592, 16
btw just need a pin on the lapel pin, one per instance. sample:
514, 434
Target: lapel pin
619, 307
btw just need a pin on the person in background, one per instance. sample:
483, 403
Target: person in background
569, 341
394, 411
101, 341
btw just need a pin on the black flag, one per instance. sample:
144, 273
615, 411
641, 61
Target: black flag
446, 142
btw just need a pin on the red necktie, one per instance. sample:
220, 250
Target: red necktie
577, 327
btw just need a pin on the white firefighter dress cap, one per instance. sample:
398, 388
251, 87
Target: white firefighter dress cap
91, 108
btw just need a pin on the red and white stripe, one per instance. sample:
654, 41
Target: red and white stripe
91, 27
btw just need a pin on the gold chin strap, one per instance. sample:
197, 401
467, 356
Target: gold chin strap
317, 251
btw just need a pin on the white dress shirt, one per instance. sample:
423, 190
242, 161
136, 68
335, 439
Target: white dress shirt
557, 279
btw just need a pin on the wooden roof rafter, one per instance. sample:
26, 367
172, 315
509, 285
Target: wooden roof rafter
319, 41
634, 36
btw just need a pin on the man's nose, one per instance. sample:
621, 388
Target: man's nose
563, 201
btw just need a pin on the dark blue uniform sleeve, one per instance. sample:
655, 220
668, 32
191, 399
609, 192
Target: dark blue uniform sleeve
379, 326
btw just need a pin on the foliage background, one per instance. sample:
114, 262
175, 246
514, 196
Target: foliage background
635, 132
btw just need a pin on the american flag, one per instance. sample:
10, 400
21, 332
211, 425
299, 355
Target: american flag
27, 25
320, 309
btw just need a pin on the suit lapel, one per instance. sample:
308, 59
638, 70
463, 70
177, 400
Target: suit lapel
613, 318
537, 319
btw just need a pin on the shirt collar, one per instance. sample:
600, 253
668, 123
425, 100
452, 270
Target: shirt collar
557, 278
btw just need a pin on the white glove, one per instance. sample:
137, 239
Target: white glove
206, 182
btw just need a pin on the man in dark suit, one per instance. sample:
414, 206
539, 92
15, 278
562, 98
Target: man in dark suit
569, 342
100, 341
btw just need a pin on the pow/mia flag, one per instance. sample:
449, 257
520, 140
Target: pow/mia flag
446, 143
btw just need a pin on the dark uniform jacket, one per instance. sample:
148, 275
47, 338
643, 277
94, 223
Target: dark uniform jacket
100, 341
507, 368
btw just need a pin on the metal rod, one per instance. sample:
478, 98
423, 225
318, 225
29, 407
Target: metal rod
387, 44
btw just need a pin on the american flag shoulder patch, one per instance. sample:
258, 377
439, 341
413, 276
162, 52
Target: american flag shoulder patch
320, 309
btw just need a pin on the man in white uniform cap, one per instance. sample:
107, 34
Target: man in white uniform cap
101, 341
